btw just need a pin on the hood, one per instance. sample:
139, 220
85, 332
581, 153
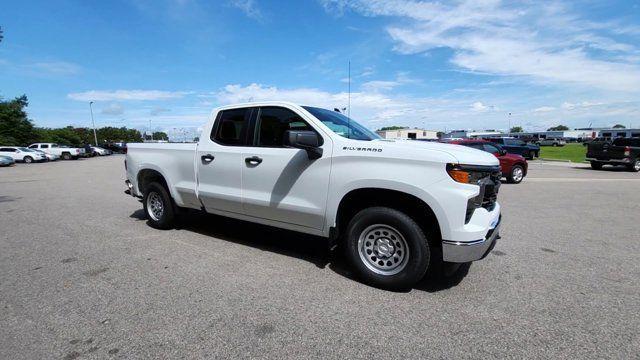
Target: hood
463, 154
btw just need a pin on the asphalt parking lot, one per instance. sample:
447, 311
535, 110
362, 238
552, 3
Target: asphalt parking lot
83, 276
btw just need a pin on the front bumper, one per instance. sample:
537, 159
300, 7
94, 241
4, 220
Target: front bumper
461, 252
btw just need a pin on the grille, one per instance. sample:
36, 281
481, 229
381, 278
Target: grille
490, 187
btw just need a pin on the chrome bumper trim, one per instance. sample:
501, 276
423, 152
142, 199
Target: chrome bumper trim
461, 252
625, 160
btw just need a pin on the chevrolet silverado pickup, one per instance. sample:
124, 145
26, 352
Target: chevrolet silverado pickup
397, 208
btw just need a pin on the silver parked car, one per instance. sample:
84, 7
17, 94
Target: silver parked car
6, 160
552, 142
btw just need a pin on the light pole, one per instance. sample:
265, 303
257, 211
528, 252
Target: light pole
509, 130
95, 137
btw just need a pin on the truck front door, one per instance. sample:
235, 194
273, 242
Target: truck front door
281, 183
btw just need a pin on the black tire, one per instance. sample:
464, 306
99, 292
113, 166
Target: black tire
410, 269
66, 156
635, 166
595, 165
513, 178
160, 220
28, 159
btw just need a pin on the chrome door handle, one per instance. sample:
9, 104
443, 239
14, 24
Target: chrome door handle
207, 158
254, 160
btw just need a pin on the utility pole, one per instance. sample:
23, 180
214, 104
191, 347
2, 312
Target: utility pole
95, 137
509, 130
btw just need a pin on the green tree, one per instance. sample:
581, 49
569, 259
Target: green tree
517, 129
15, 127
160, 135
395, 127
619, 126
558, 128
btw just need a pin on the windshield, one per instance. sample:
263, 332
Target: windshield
341, 124
25, 149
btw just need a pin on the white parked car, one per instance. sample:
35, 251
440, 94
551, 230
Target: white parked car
64, 152
22, 154
398, 208
50, 157
96, 150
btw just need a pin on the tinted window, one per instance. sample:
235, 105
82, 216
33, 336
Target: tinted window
491, 148
33, 147
44, 146
626, 142
8, 150
475, 146
514, 142
231, 127
273, 122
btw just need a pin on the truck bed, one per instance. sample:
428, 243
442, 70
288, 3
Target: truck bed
176, 163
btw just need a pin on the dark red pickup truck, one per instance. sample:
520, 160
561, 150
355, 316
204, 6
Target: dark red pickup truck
621, 151
513, 167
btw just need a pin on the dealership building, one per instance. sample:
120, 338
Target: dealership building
414, 134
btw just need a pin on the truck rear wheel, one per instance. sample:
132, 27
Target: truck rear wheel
595, 165
66, 156
387, 248
635, 166
158, 207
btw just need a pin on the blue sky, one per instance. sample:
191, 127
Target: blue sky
438, 65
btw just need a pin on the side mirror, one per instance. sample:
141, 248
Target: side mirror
305, 140
503, 152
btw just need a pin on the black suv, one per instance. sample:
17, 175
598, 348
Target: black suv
621, 151
517, 146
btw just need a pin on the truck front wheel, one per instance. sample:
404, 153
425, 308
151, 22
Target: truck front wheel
595, 165
387, 248
158, 207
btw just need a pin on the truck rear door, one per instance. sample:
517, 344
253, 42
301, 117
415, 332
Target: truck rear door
219, 161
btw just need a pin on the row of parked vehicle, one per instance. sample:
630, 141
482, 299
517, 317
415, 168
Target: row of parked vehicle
42, 152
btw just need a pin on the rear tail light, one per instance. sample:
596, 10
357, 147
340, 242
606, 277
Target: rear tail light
627, 151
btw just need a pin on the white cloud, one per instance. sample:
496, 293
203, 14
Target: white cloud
478, 106
249, 8
543, 41
98, 95
544, 109
55, 68
113, 109
158, 110
370, 107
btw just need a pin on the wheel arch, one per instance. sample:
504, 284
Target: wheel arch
419, 210
146, 176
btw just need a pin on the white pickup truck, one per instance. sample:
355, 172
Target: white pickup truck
397, 208
65, 152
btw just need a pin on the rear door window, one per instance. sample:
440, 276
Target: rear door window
231, 127
627, 142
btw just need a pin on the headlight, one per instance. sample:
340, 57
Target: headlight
468, 174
